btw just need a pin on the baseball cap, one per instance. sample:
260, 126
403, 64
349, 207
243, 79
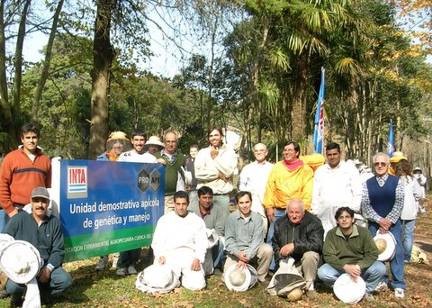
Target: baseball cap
40, 192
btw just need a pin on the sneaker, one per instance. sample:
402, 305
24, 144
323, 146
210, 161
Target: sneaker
121, 271
132, 270
399, 293
115, 258
381, 287
102, 263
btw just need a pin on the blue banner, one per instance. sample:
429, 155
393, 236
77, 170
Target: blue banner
390, 142
109, 206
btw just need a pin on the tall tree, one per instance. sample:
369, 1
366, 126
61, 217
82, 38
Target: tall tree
103, 56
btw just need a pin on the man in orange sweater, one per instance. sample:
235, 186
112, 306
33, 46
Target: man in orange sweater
22, 170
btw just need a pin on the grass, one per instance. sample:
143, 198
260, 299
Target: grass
105, 289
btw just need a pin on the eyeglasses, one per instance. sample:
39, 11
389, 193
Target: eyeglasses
380, 164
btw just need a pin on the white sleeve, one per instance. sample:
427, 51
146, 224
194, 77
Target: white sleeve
227, 162
316, 201
158, 241
356, 190
203, 171
244, 178
200, 240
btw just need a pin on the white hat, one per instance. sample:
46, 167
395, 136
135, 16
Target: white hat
5, 239
212, 237
157, 278
348, 290
390, 247
154, 140
240, 279
21, 261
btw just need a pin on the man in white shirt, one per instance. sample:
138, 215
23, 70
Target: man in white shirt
138, 154
180, 241
127, 259
215, 166
253, 178
336, 184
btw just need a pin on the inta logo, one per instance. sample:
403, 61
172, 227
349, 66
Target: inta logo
77, 182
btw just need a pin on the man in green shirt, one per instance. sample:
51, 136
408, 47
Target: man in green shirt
349, 248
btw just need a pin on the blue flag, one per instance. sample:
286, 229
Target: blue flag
318, 137
391, 143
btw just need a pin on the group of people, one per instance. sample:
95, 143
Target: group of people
288, 210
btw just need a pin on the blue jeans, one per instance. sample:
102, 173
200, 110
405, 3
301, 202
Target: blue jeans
397, 263
408, 237
4, 218
218, 255
60, 281
372, 276
277, 213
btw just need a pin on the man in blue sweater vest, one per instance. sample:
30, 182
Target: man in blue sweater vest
382, 202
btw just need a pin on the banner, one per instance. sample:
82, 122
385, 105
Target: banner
109, 206
318, 137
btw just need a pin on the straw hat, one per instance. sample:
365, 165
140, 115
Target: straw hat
20, 261
157, 278
117, 135
397, 157
154, 140
348, 290
240, 279
388, 248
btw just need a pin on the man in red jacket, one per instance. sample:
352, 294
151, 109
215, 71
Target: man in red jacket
22, 170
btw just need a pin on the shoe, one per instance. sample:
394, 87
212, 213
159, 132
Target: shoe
381, 287
121, 271
399, 293
16, 300
132, 270
115, 258
311, 286
102, 263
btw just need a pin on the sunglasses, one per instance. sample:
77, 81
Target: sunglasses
380, 164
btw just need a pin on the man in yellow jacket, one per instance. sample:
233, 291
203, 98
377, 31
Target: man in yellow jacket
289, 179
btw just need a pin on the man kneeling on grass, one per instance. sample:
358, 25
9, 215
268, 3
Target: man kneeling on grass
349, 248
43, 232
244, 238
180, 241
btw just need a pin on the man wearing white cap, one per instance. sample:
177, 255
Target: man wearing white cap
336, 184
45, 233
180, 241
382, 203
349, 248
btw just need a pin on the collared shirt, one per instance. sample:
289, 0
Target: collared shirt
253, 178
334, 188
370, 214
214, 219
243, 234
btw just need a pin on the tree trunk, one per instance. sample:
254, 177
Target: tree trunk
103, 56
6, 113
298, 113
19, 59
46, 64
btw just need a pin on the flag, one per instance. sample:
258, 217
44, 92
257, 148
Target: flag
318, 137
390, 143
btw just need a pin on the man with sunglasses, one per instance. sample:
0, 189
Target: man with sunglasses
382, 202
